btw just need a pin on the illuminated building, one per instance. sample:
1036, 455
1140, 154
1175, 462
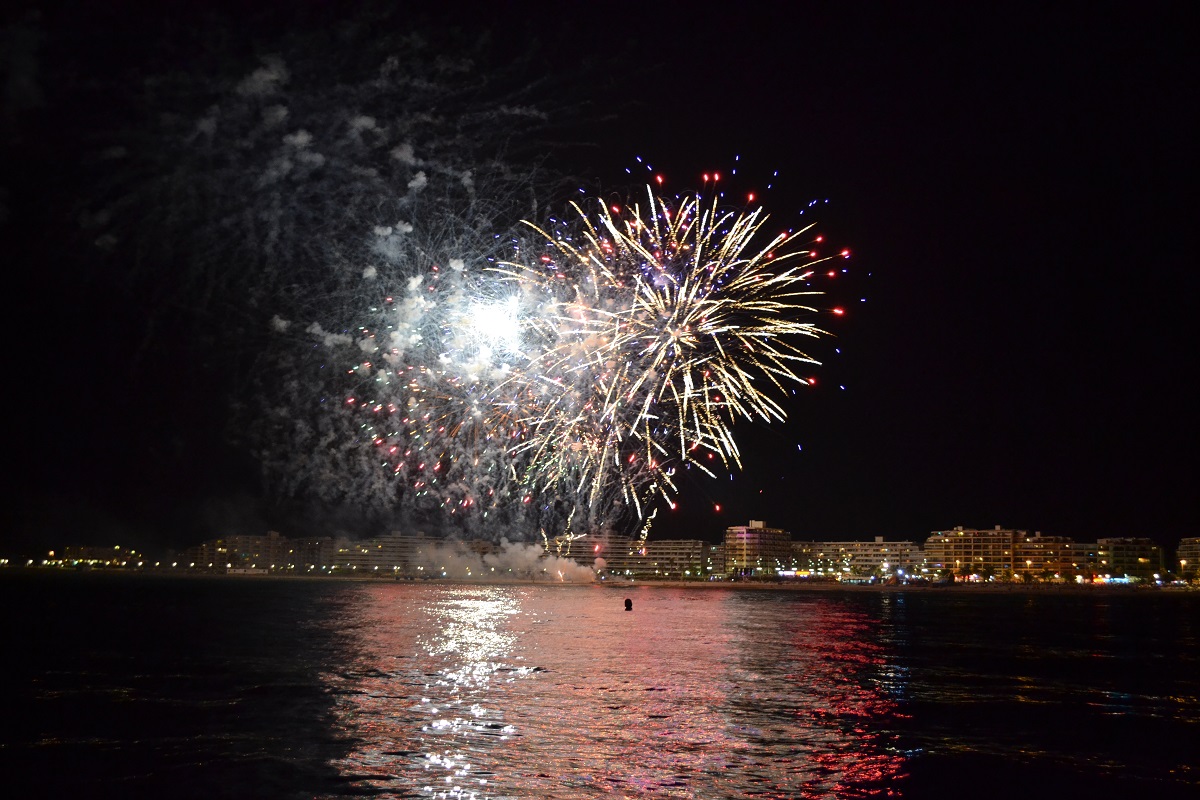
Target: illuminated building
1187, 557
1118, 558
412, 555
756, 551
240, 552
714, 559
1132, 557
1085, 561
313, 553
1043, 557
878, 557
622, 555
815, 558
676, 558
966, 552
656, 558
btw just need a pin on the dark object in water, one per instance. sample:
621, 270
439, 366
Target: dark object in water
628, 604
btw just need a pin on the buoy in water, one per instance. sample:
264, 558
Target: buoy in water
628, 604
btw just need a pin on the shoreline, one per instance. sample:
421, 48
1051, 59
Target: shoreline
951, 588
697, 585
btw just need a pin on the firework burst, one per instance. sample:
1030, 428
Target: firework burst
660, 325
562, 386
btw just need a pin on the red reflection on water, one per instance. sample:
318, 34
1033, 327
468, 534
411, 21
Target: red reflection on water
558, 692
840, 681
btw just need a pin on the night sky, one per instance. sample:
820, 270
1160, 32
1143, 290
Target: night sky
1017, 187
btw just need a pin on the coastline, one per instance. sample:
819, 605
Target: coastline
951, 588
737, 586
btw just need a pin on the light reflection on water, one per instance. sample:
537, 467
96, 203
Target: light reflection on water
324, 688
558, 692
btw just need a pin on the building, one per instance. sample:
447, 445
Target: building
714, 559
816, 559
676, 558
966, 552
1085, 561
679, 559
1135, 558
408, 555
270, 552
879, 557
1121, 559
1187, 557
619, 555
313, 553
393, 552
756, 551
1042, 558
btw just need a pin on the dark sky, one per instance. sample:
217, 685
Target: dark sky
1017, 186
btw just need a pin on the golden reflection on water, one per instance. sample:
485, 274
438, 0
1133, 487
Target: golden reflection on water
558, 692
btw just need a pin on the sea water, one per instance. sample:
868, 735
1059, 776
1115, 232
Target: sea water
141, 686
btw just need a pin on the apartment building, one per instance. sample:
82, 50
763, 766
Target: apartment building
1132, 557
413, 555
620, 554
1187, 557
756, 551
676, 558
272, 551
971, 551
633, 558
816, 558
878, 557
1039, 557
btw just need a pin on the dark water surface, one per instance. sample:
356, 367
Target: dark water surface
132, 686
